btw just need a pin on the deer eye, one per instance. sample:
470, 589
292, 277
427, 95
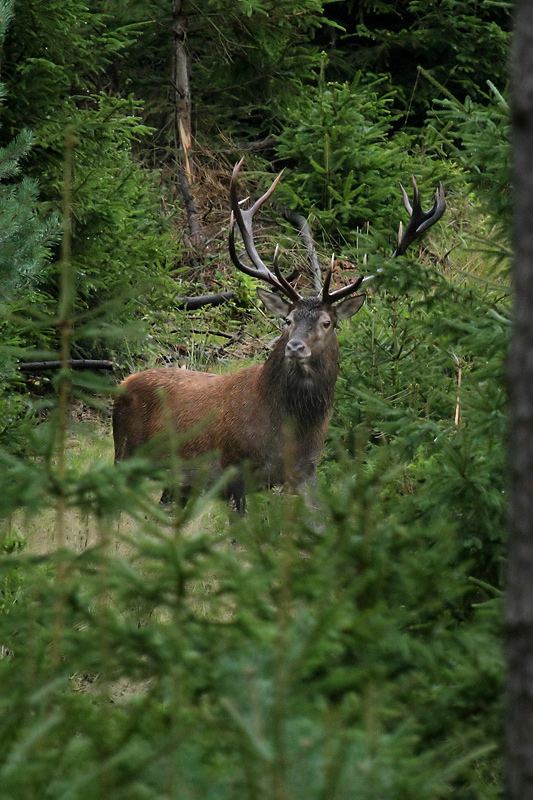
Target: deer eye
288, 321
326, 323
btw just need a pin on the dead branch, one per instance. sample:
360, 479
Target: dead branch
302, 224
192, 303
76, 363
258, 144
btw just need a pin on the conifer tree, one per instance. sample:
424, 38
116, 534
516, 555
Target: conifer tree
24, 251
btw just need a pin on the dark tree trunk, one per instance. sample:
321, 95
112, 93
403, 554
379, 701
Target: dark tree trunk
519, 595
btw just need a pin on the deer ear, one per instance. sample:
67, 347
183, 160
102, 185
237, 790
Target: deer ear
274, 303
351, 306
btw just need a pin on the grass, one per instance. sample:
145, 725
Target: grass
90, 447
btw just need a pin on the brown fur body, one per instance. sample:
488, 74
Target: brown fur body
269, 419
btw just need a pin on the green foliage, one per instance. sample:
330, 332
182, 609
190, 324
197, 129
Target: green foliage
476, 135
313, 665
122, 245
119, 238
247, 59
348, 160
265, 38
461, 44
24, 250
426, 388
53, 51
359, 657
26, 239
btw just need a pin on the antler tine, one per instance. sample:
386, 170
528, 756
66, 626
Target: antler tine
416, 197
289, 290
420, 220
327, 280
338, 294
344, 291
244, 222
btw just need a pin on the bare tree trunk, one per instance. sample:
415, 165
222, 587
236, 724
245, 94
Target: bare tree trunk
195, 227
180, 80
519, 595
182, 116
192, 303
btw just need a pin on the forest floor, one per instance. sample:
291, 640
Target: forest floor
90, 444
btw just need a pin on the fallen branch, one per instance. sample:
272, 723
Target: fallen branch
259, 144
75, 363
192, 303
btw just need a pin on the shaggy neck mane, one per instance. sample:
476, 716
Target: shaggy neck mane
304, 393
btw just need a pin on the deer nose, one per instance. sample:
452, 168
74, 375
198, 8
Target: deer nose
295, 348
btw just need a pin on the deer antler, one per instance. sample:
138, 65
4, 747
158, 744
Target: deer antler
243, 218
338, 294
244, 222
420, 220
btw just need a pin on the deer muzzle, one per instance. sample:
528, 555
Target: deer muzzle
297, 349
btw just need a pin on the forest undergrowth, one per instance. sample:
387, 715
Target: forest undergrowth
349, 652
145, 653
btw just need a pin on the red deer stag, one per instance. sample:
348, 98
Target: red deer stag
268, 421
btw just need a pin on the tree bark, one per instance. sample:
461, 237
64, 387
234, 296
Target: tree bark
180, 80
519, 592
195, 228
180, 71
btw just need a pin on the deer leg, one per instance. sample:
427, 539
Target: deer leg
173, 495
235, 494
